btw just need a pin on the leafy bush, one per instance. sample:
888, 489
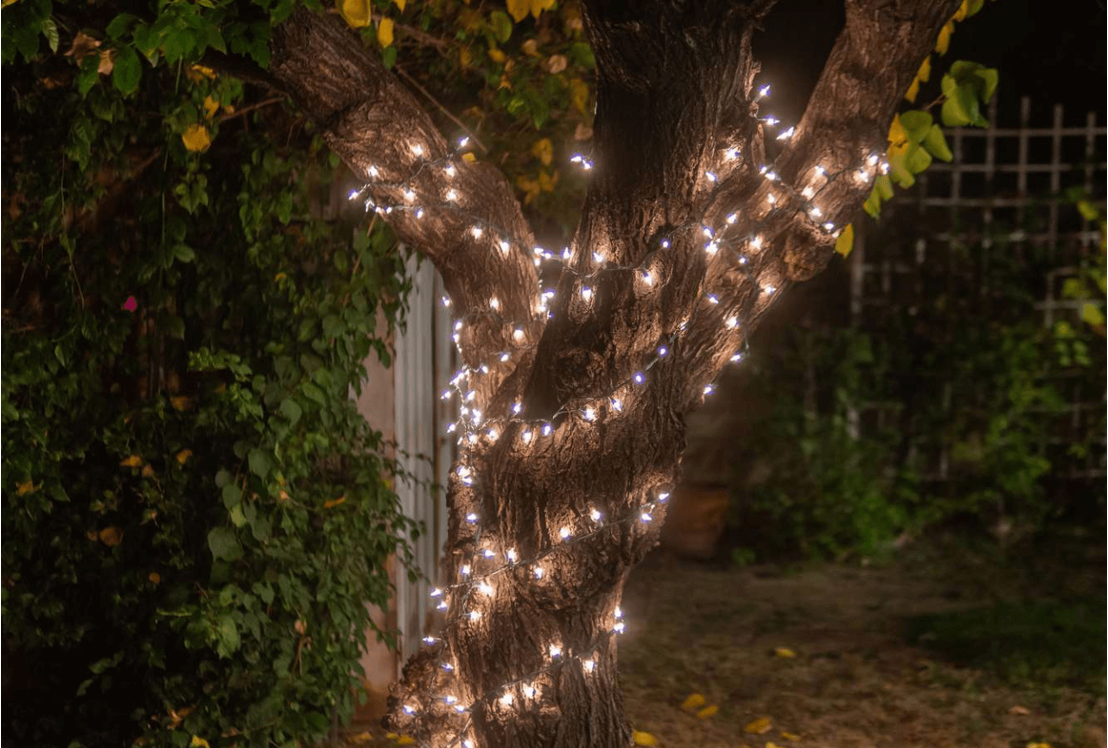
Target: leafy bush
195, 515
850, 453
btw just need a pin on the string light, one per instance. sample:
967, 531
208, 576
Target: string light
472, 417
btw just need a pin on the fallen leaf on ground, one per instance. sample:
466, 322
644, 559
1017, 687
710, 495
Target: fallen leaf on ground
707, 711
1022, 711
362, 737
1038, 745
759, 726
643, 738
693, 701
784, 652
405, 740
790, 736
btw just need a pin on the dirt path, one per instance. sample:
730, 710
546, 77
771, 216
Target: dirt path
854, 681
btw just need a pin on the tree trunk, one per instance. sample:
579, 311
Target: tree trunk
572, 426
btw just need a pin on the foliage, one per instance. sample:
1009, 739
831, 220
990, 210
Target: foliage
966, 369
1031, 644
915, 137
195, 515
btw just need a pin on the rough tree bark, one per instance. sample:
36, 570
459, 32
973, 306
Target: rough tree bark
676, 94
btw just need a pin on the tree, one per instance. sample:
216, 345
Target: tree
697, 218
687, 235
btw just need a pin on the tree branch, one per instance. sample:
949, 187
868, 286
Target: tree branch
378, 128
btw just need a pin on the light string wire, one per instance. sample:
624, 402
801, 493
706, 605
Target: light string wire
462, 592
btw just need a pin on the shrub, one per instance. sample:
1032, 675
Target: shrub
195, 515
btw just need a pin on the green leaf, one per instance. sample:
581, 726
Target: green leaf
989, 78
227, 637
1091, 314
872, 205
260, 463
917, 159
313, 393
899, 171
224, 544
50, 31
955, 111
291, 410
501, 25
232, 495
935, 143
184, 253
127, 71
388, 57
916, 123
119, 25
884, 186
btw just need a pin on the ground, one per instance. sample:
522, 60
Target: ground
943, 647
951, 644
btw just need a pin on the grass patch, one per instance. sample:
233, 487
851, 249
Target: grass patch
1032, 644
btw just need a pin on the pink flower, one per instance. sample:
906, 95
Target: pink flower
130, 304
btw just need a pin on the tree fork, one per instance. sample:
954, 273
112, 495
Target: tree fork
679, 150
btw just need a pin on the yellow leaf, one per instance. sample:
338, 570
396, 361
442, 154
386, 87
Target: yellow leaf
400, 4
391, 735
924, 73
155, 577
518, 9
384, 32
912, 92
199, 742
694, 701
133, 461
771, 744
843, 244
356, 12
759, 726
110, 536
943, 42
196, 138
279, 277
538, 6
25, 488
579, 95
1038, 745
546, 182
184, 455
204, 71
405, 740
496, 55
643, 738
789, 736
785, 651
334, 502
180, 402
530, 187
530, 48
707, 712
962, 12
147, 471
363, 737
544, 151
464, 57
897, 133
469, 158
211, 106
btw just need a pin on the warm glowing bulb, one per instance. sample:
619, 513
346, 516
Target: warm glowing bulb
409, 194
712, 176
732, 323
586, 293
506, 700
471, 518
590, 414
645, 517
564, 533
596, 515
539, 572
417, 149
451, 195
373, 172
555, 650
518, 334
526, 436
485, 589
474, 615
512, 555
504, 246
494, 303
756, 242
477, 232
590, 665
450, 170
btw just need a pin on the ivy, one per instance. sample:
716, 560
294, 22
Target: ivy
196, 515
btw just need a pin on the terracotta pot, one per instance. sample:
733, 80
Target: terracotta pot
695, 520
